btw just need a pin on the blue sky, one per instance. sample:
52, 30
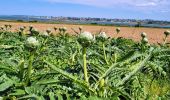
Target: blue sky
136, 9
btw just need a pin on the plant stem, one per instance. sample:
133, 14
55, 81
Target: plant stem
21, 69
165, 40
104, 52
115, 56
29, 67
85, 65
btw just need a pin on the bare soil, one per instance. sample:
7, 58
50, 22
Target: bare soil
155, 35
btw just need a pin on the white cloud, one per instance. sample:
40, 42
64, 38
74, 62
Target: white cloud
147, 4
109, 3
164, 11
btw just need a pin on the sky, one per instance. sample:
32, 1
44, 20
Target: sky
125, 9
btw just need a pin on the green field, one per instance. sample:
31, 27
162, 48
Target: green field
41, 66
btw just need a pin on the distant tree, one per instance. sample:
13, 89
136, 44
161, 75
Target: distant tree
93, 23
138, 24
19, 20
33, 21
150, 22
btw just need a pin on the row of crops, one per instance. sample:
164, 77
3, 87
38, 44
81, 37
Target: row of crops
44, 66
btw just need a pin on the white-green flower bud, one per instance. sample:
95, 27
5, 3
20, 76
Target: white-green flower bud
145, 40
45, 34
102, 36
32, 42
86, 35
21, 28
85, 39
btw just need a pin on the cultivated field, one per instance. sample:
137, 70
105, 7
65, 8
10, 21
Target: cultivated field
154, 34
36, 65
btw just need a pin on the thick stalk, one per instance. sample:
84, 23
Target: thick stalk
165, 40
29, 67
85, 65
104, 52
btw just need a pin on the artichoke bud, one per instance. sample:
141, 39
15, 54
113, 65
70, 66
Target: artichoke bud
143, 34
34, 31
6, 26
85, 39
55, 28
32, 43
80, 28
64, 29
10, 26
60, 29
102, 36
31, 27
145, 40
117, 30
21, 28
1, 28
48, 31
45, 34
167, 32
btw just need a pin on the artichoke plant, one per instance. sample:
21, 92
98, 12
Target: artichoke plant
85, 39
103, 37
31, 43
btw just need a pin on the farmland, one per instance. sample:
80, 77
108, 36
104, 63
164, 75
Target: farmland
38, 63
154, 34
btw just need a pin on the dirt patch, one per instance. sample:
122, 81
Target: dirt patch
155, 35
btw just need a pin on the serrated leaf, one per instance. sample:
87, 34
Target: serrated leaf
4, 86
17, 92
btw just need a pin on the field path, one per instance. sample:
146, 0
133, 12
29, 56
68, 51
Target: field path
154, 34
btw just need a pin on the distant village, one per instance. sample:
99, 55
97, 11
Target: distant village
89, 20
61, 18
